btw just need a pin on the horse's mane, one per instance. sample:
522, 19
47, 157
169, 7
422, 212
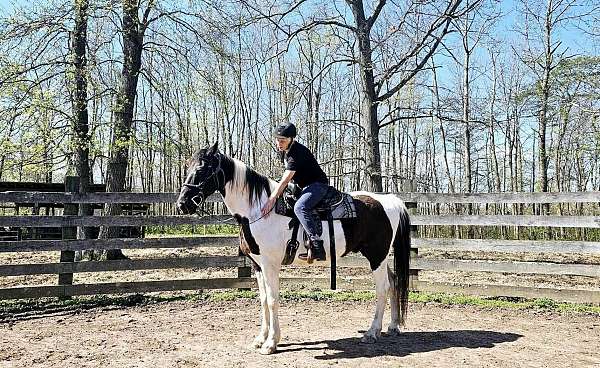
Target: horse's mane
255, 183
241, 175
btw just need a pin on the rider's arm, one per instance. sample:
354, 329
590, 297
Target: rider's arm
285, 179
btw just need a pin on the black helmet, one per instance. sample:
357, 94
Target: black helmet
285, 130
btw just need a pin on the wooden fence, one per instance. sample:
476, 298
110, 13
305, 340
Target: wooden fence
69, 220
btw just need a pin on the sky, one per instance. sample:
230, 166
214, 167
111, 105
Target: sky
573, 38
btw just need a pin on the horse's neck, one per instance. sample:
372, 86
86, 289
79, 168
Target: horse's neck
237, 204
236, 200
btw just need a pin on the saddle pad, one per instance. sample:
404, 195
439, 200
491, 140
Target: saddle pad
341, 205
345, 208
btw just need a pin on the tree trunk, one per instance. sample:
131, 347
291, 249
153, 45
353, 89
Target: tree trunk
495, 167
133, 35
543, 118
80, 115
369, 121
444, 141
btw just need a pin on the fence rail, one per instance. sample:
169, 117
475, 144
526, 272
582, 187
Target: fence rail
490, 198
69, 221
506, 220
418, 263
454, 220
509, 246
499, 198
118, 243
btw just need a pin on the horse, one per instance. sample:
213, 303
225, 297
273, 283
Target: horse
382, 222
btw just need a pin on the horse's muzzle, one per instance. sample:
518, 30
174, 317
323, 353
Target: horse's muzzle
184, 208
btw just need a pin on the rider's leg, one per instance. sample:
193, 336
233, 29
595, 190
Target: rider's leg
304, 209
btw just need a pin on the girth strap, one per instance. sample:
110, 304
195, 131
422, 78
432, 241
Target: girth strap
293, 244
332, 251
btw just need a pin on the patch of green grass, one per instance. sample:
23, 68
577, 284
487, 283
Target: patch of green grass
187, 229
10, 309
340, 296
100, 301
544, 304
227, 296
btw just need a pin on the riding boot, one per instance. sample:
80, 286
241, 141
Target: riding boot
316, 252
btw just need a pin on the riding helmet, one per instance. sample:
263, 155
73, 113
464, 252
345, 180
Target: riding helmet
285, 130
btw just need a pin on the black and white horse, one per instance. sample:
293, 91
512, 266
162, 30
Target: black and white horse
382, 222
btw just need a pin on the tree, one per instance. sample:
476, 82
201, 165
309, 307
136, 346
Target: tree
81, 135
133, 29
421, 26
544, 53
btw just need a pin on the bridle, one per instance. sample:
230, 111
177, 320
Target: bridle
199, 198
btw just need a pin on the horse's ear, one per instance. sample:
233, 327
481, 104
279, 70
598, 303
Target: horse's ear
214, 149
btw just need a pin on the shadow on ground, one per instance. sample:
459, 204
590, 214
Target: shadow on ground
405, 344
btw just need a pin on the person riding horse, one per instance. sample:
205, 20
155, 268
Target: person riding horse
301, 168
381, 223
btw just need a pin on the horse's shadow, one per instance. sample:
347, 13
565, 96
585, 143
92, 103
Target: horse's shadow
403, 345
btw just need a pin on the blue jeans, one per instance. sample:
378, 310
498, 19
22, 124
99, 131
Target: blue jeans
304, 209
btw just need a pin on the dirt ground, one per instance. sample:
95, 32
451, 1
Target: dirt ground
216, 334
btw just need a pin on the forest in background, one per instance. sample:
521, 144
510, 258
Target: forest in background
459, 96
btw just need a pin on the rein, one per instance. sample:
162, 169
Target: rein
201, 210
266, 214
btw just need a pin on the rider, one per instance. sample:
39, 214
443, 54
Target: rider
302, 168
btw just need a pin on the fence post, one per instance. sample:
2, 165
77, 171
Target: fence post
244, 271
69, 232
409, 186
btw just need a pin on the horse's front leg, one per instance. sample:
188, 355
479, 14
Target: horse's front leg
264, 311
271, 280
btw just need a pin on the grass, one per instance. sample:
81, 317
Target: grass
14, 309
542, 304
216, 229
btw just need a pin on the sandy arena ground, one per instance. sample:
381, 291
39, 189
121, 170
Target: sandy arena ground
216, 334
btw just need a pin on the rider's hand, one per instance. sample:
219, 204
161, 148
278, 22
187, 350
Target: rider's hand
268, 205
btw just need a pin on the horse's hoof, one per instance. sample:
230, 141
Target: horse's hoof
266, 350
393, 331
368, 339
256, 343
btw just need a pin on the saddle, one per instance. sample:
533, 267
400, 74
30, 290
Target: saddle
335, 205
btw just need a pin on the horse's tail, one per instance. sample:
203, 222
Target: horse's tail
401, 246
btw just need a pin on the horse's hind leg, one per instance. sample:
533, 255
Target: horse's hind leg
264, 309
382, 286
394, 326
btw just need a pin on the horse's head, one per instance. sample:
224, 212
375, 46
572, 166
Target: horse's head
204, 177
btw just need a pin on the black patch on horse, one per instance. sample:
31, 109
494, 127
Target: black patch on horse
228, 166
370, 233
256, 184
248, 244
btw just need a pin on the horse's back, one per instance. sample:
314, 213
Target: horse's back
394, 207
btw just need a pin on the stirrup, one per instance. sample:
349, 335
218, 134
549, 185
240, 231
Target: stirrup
309, 256
306, 257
